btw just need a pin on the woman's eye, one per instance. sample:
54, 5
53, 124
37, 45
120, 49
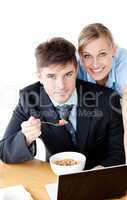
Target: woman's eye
86, 56
102, 54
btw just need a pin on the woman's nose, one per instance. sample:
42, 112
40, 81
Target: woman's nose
95, 63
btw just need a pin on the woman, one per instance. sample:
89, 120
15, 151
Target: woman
101, 61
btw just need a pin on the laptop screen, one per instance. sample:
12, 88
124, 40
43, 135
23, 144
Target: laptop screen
106, 183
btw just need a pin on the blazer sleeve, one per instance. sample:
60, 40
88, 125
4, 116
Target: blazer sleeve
13, 146
114, 147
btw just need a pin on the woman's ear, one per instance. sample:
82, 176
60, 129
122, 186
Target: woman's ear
80, 59
114, 48
77, 68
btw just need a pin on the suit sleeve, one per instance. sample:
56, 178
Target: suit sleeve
114, 147
14, 148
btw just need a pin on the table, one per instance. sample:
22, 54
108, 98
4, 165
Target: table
32, 174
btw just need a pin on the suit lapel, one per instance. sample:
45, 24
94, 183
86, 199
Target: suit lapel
84, 115
48, 111
83, 123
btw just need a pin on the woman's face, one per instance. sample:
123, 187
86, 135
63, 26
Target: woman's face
97, 58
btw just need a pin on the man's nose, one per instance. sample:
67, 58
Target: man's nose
60, 84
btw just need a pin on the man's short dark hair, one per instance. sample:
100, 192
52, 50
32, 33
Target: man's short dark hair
55, 51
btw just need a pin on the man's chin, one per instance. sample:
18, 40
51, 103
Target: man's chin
61, 99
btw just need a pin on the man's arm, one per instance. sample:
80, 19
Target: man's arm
15, 147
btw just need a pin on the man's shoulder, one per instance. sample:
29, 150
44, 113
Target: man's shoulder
35, 87
92, 87
93, 94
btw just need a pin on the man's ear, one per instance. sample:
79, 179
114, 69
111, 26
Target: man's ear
38, 74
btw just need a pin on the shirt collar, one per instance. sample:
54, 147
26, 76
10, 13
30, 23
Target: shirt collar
71, 101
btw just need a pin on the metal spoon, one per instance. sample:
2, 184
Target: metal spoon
53, 124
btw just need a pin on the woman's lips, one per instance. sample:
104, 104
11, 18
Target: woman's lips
97, 70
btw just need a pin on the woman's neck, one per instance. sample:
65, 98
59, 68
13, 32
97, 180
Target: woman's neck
102, 82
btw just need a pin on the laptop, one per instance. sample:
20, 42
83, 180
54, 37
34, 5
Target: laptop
101, 184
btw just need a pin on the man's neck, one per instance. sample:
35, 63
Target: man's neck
72, 100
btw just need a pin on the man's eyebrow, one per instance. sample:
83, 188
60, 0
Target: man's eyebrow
51, 74
69, 72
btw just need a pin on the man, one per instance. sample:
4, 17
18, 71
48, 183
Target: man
94, 126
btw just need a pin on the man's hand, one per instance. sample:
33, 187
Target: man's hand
31, 129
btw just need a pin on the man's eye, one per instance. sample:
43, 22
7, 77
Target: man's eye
69, 74
51, 76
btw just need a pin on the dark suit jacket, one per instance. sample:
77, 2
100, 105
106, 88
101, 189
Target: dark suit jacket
99, 126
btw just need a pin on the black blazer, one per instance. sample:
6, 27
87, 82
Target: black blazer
99, 126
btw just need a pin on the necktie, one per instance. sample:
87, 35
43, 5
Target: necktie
64, 112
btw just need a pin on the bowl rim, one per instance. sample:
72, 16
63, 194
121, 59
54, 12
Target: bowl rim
52, 158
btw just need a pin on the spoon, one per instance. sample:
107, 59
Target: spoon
61, 122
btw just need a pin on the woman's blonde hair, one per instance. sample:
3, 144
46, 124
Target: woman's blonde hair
91, 32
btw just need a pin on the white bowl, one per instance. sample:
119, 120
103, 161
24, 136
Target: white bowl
60, 169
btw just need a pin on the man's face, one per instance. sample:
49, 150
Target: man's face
58, 81
97, 58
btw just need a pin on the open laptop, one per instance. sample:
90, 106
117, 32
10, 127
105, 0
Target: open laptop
101, 184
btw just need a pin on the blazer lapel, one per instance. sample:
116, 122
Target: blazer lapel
83, 123
84, 115
47, 109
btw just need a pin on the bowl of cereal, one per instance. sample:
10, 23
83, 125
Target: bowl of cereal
67, 162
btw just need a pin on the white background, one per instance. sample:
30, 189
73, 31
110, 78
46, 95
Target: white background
26, 23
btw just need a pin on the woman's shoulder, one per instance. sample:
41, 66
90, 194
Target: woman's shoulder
121, 53
120, 60
120, 69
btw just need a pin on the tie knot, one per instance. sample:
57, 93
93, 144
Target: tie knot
64, 111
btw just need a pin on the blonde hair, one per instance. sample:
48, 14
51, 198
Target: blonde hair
91, 32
